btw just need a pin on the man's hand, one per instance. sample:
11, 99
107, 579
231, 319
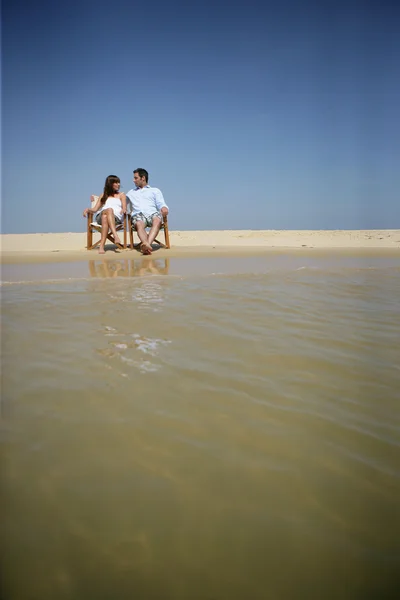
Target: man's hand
164, 211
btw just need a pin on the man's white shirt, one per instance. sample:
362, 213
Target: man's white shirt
146, 200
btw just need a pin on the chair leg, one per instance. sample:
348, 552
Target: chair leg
130, 231
165, 270
125, 231
89, 234
166, 233
93, 246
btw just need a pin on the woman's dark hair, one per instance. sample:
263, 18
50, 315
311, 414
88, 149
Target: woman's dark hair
108, 187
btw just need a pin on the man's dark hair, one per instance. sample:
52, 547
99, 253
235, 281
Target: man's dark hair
142, 173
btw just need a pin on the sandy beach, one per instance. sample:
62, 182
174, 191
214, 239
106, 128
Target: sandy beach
71, 246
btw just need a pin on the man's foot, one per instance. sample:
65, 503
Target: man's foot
146, 248
102, 251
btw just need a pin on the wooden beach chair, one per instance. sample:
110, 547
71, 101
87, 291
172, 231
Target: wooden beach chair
93, 227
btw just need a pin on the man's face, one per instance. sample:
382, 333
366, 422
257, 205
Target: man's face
139, 181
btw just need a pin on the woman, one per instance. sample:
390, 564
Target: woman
112, 207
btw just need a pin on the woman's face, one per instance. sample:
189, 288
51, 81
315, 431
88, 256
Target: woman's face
116, 186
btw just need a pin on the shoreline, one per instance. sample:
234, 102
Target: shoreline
70, 247
14, 258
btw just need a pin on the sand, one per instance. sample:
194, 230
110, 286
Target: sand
71, 246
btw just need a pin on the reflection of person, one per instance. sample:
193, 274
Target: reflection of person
125, 268
148, 209
109, 268
112, 208
153, 267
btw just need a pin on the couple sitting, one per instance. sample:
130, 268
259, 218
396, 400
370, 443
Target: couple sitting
148, 209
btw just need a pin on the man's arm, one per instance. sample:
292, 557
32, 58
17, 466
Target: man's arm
160, 202
129, 201
123, 202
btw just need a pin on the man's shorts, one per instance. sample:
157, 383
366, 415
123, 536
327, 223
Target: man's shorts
118, 220
147, 220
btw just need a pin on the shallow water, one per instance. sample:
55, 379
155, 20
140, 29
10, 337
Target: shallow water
201, 429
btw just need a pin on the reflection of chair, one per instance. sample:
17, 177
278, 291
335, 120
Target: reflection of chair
94, 227
164, 227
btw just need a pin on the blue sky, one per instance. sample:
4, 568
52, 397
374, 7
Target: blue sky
251, 114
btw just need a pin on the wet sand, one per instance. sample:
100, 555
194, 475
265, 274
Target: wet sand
184, 262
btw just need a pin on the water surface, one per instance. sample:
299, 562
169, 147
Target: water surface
220, 429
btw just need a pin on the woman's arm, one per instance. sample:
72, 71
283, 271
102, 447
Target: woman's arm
95, 209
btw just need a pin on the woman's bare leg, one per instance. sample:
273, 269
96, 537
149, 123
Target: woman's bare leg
104, 231
111, 224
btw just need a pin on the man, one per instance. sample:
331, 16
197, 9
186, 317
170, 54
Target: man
148, 208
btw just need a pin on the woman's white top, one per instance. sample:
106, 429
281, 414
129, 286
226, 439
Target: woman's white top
115, 204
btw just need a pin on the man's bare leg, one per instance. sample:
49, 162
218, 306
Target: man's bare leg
111, 224
104, 231
155, 228
143, 237
152, 267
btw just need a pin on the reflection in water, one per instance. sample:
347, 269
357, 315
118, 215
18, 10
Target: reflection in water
128, 267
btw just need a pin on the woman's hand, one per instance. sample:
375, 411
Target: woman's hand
86, 212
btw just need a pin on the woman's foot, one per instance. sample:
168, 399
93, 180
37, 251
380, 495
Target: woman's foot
117, 241
102, 251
